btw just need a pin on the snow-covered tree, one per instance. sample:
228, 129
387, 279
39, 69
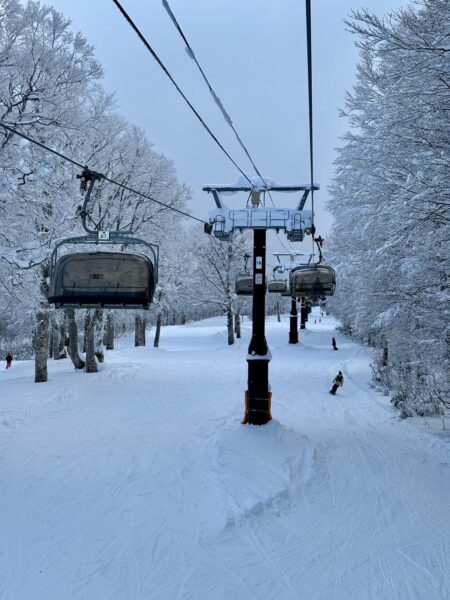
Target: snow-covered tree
218, 264
390, 200
50, 89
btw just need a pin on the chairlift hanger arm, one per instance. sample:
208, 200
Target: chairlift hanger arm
87, 176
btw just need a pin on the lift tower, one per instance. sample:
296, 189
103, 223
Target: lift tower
295, 222
282, 266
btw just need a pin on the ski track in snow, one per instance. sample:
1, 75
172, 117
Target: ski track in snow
140, 483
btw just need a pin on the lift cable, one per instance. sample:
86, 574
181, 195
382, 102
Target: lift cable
310, 108
117, 183
216, 98
177, 87
289, 250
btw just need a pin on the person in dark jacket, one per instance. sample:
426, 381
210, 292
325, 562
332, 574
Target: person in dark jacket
333, 343
337, 383
8, 360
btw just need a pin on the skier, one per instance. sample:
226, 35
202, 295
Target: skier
333, 343
8, 360
337, 383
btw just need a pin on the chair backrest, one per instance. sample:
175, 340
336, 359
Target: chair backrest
88, 279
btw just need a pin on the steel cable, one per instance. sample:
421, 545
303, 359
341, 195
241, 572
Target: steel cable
177, 87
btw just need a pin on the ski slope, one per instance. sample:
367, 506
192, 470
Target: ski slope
140, 483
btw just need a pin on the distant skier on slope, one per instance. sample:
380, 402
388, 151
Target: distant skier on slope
8, 360
333, 343
337, 383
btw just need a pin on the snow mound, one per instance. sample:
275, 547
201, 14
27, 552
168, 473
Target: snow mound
260, 469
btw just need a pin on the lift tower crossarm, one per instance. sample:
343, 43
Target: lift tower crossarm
216, 189
294, 222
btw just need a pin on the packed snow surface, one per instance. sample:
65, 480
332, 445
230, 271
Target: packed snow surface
140, 483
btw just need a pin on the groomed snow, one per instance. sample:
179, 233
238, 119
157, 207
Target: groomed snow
140, 483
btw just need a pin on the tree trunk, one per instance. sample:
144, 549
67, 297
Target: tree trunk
50, 343
98, 335
183, 319
89, 337
230, 325
385, 358
41, 346
237, 325
55, 338
278, 313
62, 340
139, 330
158, 330
72, 328
108, 336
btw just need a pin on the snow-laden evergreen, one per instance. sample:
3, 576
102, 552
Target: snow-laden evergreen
391, 203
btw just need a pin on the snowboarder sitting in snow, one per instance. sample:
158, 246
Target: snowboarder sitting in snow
337, 383
333, 343
8, 360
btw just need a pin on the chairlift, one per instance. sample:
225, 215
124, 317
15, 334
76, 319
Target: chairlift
312, 281
244, 281
102, 279
277, 286
244, 285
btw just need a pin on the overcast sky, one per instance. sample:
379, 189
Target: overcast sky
254, 54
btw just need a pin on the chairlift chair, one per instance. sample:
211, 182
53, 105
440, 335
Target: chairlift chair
244, 285
244, 281
312, 281
103, 280
277, 286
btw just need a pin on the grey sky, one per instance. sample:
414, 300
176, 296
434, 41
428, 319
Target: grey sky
254, 53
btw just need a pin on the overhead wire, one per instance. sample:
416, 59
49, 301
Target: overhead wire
213, 93
177, 87
112, 181
310, 111
288, 250
41, 145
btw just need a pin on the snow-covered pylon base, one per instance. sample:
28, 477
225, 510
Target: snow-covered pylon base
140, 483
